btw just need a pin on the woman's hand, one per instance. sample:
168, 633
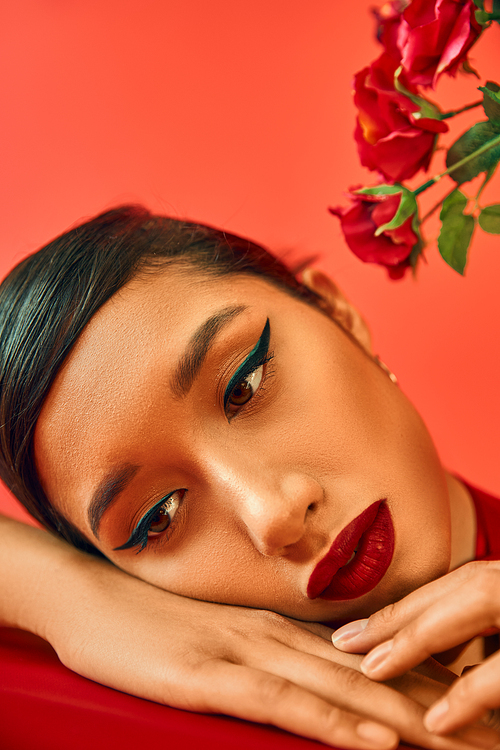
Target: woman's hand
439, 616
248, 663
129, 635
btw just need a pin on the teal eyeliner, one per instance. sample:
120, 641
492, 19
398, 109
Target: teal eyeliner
140, 533
255, 359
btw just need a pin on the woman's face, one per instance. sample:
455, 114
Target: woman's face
225, 434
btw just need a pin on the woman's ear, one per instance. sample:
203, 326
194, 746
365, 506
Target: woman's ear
337, 306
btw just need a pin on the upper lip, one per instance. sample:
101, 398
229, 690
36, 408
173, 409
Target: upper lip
341, 551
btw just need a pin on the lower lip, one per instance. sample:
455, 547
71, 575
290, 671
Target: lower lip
369, 564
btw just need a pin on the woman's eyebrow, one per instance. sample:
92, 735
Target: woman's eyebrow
198, 347
188, 367
106, 493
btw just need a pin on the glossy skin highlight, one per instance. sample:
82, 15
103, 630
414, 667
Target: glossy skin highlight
265, 490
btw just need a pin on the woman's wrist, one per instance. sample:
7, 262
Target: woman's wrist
40, 577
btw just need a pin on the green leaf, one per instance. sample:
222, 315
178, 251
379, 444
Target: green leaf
416, 250
482, 17
407, 207
426, 109
495, 15
407, 204
492, 86
380, 190
489, 219
481, 134
456, 231
491, 103
467, 68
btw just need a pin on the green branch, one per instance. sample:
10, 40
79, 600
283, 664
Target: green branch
452, 113
485, 147
489, 174
435, 206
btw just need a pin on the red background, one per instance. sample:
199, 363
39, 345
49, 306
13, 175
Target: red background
240, 114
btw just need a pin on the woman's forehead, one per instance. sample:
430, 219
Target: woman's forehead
151, 318
162, 308
123, 360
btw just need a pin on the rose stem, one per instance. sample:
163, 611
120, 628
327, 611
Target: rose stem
454, 112
489, 174
485, 147
435, 207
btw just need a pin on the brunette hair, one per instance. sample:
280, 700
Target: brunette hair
47, 300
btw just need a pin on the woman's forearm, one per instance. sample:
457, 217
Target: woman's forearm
35, 570
122, 632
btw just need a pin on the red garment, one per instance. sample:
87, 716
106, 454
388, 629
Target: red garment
488, 524
45, 706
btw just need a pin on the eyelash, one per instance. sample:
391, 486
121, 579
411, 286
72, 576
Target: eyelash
245, 374
140, 535
258, 357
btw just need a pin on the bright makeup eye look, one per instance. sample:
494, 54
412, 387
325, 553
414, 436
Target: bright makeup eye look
246, 388
155, 522
243, 385
248, 378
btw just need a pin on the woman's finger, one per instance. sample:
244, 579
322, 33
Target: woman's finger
400, 705
258, 696
362, 635
460, 616
469, 698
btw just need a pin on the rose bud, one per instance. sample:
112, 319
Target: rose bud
381, 226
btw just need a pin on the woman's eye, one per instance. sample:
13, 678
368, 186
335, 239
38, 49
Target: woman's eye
247, 379
246, 388
159, 522
165, 514
154, 522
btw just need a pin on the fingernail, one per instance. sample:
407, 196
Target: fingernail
348, 632
374, 660
377, 735
435, 717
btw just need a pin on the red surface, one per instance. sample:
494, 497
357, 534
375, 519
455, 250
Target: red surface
239, 115
44, 706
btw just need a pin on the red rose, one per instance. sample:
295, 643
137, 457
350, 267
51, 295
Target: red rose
368, 226
395, 134
388, 19
435, 36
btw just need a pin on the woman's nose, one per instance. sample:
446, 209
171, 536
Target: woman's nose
276, 514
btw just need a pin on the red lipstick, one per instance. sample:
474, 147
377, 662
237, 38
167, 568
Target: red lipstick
346, 572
